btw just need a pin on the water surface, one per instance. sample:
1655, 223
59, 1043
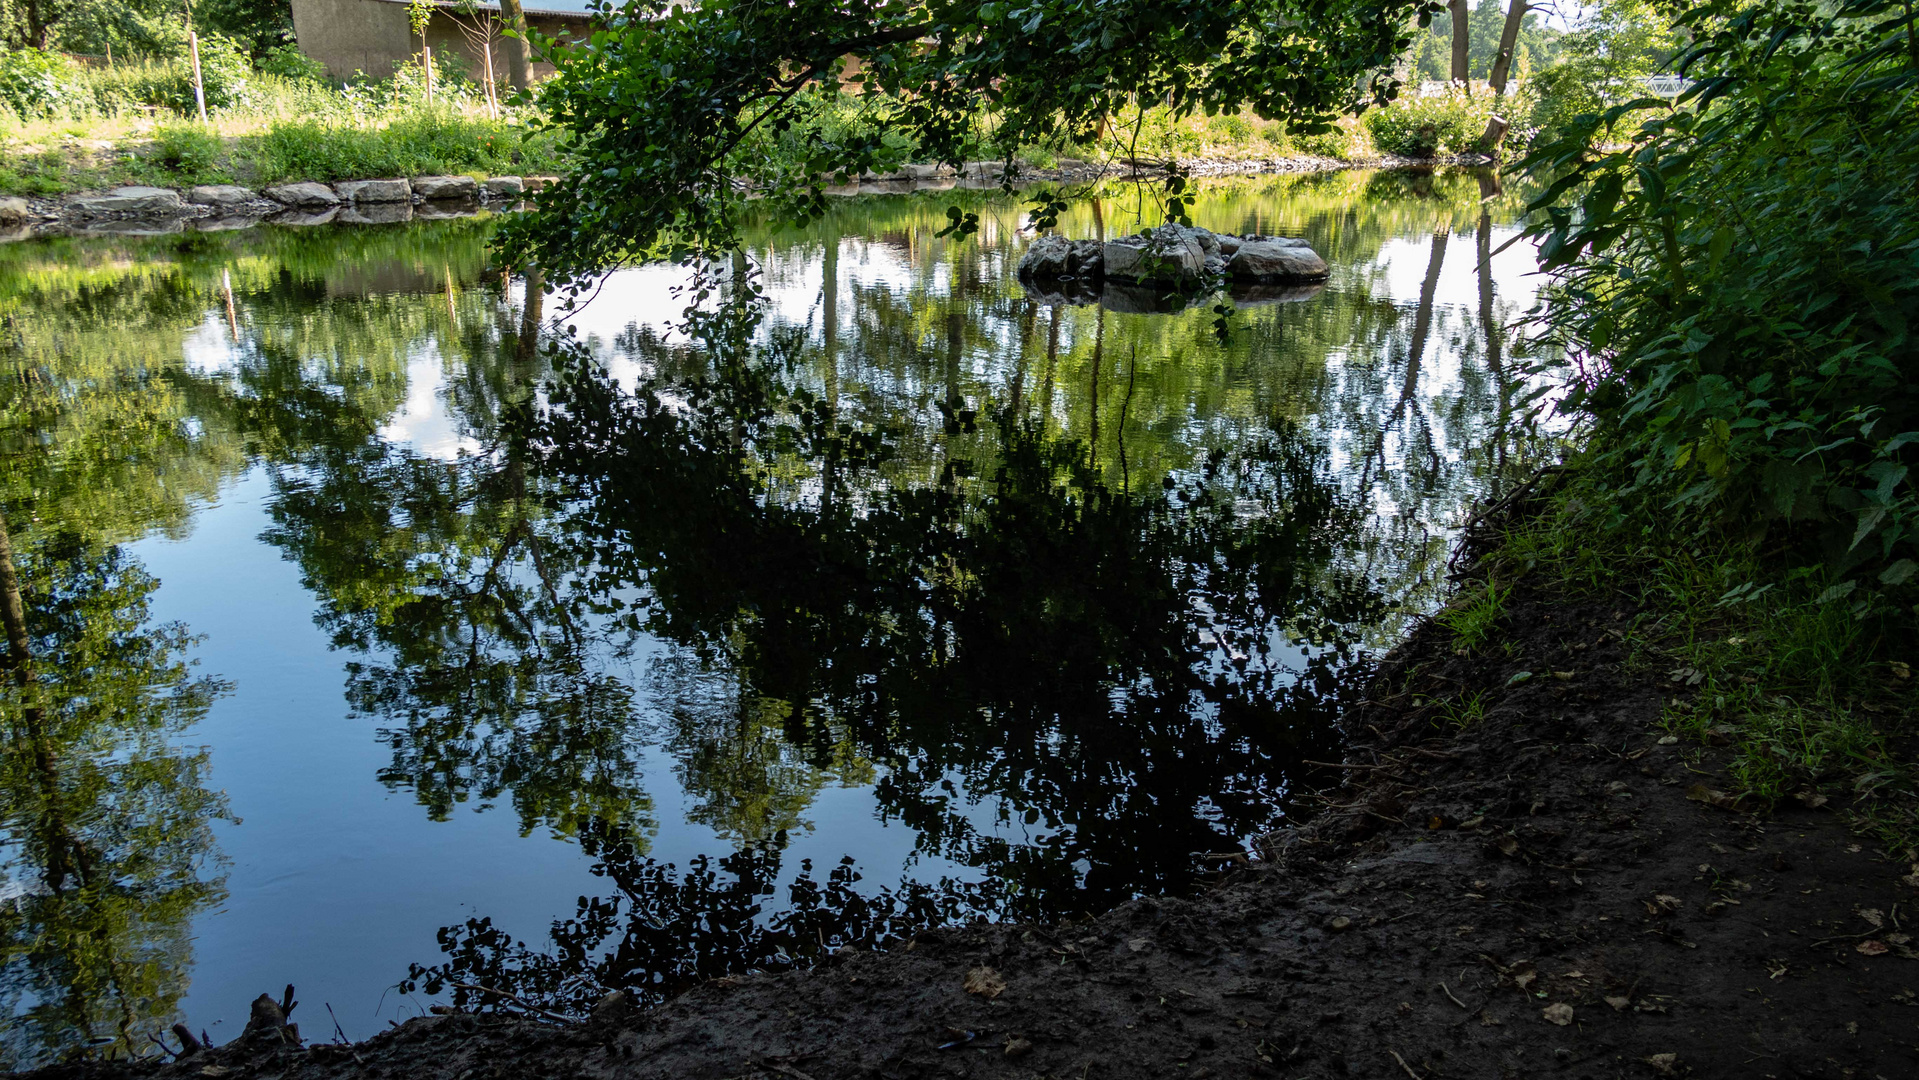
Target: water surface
359, 642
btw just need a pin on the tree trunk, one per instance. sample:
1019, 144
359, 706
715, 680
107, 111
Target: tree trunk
1508, 41
518, 55
1462, 41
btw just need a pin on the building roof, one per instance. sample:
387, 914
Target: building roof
556, 9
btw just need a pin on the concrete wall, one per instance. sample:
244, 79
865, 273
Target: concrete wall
353, 35
373, 36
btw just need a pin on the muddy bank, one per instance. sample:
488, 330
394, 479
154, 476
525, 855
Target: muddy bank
1533, 885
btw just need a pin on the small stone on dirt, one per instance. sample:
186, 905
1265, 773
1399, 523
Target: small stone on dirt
1340, 922
1619, 1004
1558, 1013
1018, 1048
1664, 1064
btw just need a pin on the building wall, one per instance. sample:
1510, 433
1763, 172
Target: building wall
353, 35
374, 36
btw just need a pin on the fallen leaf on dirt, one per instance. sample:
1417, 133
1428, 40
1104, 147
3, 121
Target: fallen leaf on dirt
1898, 939
1563, 676
1619, 1004
1016, 1048
1487, 1019
1477, 820
1137, 944
1668, 902
1874, 916
1668, 740
1519, 677
1524, 979
1508, 846
1810, 799
1900, 669
214, 1070
1869, 947
1664, 1064
985, 982
1558, 1013
1712, 797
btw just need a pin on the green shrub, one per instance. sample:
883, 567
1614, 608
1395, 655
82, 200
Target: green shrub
36, 83
184, 154
1739, 285
1423, 127
422, 143
288, 62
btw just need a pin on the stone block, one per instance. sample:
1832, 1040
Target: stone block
304, 196
363, 192
442, 188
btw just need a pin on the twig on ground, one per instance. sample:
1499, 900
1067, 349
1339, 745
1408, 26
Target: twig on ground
522, 1003
1449, 993
785, 1070
1403, 1065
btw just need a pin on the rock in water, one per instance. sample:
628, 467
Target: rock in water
446, 187
1054, 256
1170, 255
1178, 256
1271, 262
132, 200
376, 191
304, 196
220, 195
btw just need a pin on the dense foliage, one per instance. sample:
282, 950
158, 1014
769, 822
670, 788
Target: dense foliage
661, 99
1739, 282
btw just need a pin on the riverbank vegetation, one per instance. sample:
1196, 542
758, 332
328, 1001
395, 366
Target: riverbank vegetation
1734, 288
109, 100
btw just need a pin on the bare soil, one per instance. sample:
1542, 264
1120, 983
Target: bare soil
1545, 891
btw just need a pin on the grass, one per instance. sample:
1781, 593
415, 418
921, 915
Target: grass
1472, 616
1808, 696
123, 125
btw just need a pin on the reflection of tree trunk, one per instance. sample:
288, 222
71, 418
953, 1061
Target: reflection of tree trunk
1019, 366
1099, 219
1422, 327
1099, 345
1495, 361
1052, 359
64, 856
1422, 321
530, 316
830, 316
13, 612
1119, 436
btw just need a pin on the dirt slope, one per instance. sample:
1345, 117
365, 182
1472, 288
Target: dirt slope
1531, 895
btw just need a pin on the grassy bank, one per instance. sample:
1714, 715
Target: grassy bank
91, 128
1808, 693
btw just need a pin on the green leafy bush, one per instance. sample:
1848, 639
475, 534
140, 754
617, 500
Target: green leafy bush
288, 62
37, 83
425, 142
184, 154
1423, 127
1738, 289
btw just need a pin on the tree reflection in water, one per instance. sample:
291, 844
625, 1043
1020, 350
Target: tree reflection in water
1127, 674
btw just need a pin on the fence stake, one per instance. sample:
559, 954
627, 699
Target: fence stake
426, 62
199, 87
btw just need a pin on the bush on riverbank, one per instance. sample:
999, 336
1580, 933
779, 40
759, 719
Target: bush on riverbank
1735, 288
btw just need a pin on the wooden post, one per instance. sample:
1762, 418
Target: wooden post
199, 87
426, 64
492, 96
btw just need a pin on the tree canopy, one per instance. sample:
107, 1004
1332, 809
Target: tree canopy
661, 97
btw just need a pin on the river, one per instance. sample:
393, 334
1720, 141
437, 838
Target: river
381, 618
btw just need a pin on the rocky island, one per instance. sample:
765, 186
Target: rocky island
1174, 255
